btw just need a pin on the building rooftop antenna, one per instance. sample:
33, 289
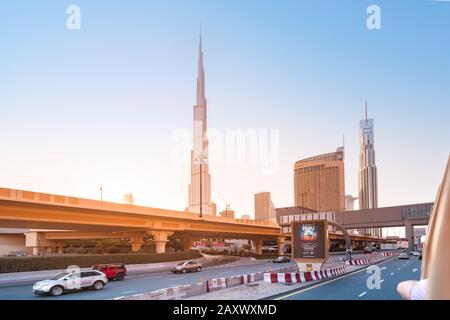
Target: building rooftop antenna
366, 111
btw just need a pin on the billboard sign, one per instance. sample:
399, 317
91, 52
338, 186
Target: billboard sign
310, 240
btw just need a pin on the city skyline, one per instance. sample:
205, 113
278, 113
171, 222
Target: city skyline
107, 119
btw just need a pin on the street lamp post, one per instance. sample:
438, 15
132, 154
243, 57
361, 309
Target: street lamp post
101, 194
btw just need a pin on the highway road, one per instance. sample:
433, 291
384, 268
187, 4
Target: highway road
354, 286
141, 283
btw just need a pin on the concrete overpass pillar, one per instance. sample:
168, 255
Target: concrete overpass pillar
258, 244
38, 242
35, 251
281, 245
188, 244
409, 234
160, 246
137, 240
160, 238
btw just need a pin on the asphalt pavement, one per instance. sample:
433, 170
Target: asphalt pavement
141, 283
354, 286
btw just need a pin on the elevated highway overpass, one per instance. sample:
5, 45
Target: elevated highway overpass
53, 218
406, 216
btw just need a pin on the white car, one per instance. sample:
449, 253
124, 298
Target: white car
403, 255
71, 282
416, 253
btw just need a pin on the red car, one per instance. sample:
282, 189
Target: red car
113, 271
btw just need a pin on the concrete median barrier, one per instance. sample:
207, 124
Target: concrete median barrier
299, 277
358, 262
207, 286
388, 254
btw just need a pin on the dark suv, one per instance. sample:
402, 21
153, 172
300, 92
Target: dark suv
113, 271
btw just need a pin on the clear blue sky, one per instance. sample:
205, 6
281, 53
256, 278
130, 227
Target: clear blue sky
98, 105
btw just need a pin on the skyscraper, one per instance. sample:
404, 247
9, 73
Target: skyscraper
200, 186
319, 182
227, 213
350, 202
368, 184
128, 198
264, 208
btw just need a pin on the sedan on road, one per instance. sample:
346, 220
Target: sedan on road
70, 282
403, 255
281, 259
187, 266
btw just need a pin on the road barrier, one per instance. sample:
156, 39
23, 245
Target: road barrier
216, 284
358, 256
388, 254
300, 277
358, 262
371, 259
210, 285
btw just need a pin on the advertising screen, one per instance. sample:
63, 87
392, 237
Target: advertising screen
309, 239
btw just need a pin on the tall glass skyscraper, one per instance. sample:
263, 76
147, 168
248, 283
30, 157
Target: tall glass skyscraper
368, 182
200, 187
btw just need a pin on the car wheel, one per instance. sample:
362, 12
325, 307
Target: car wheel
120, 277
56, 291
184, 270
98, 285
199, 269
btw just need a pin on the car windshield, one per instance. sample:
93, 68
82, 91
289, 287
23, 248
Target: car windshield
59, 276
181, 263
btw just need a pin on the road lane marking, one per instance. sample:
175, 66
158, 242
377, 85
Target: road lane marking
392, 273
381, 281
384, 268
414, 270
399, 268
176, 279
125, 292
362, 294
330, 281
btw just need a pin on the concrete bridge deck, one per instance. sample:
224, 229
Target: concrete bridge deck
76, 217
